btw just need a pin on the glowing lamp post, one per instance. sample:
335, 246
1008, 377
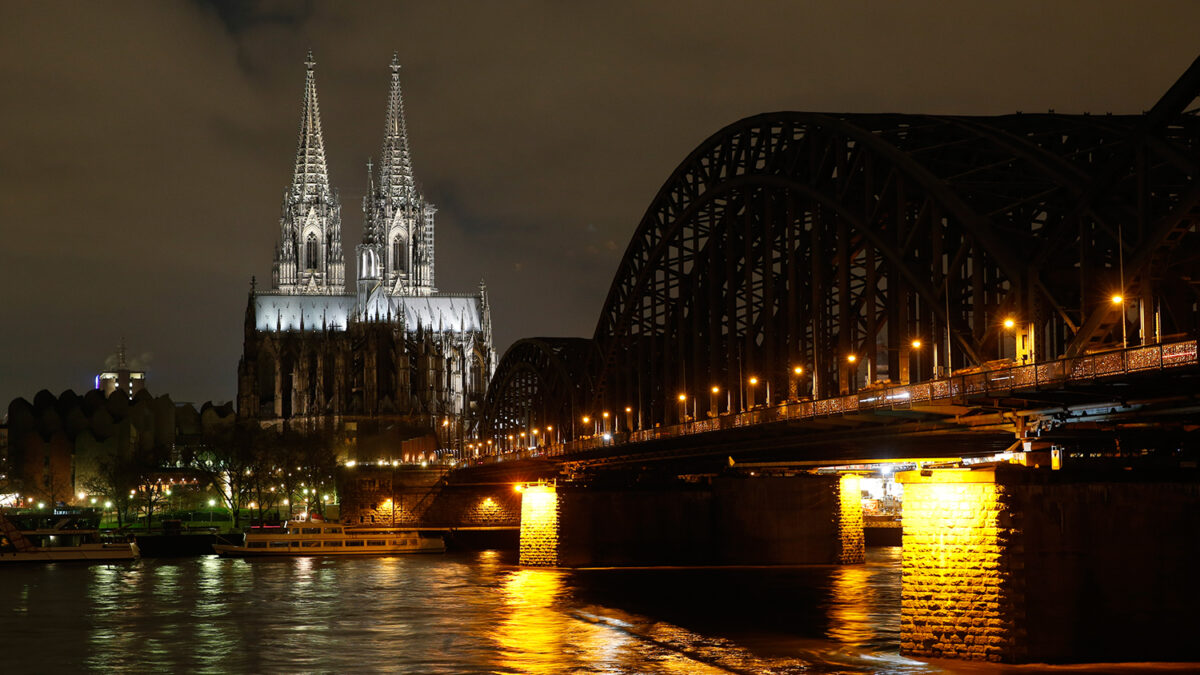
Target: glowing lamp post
1009, 324
750, 385
714, 402
682, 408
794, 383
1119, 301
916, 345
851, 373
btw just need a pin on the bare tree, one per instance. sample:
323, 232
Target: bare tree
228, 462
117, 480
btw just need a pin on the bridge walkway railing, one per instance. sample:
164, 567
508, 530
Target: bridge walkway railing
1005, 380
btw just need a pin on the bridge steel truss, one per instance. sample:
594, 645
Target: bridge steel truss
539, 382
794, 239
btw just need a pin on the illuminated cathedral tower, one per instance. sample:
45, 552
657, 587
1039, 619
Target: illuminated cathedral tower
392, 353
397, 250
308, 258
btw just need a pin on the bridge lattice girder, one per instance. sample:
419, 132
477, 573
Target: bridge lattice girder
796, 239
539, 382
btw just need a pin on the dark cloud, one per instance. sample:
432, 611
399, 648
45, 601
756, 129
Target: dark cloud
144, 147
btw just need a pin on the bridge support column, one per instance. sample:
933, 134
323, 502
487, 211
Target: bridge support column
734, 520
540, 511
1013, 564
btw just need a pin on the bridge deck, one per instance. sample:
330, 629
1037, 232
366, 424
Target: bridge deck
971, 413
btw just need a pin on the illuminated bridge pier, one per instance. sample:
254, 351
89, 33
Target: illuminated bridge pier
1014, 564
726, 520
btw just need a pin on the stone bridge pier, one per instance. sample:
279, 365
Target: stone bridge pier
726, 520
1024, 565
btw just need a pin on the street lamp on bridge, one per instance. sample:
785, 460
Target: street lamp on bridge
916, 345
1119, 301
794, 383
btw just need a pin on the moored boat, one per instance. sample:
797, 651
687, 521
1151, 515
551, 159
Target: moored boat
317, 537
60, 535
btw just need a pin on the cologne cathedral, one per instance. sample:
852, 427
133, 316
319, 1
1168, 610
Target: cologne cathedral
391, 350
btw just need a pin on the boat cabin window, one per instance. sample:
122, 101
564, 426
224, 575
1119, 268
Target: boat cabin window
377, 542
354, 543
333, 530
282, 544
257, 544
310, 530
310, 544
333, 543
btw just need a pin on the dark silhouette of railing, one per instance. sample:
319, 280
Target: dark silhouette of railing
1005, 380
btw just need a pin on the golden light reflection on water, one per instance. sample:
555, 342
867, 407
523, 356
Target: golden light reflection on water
542, 632
468, 613
531, 635
851, 610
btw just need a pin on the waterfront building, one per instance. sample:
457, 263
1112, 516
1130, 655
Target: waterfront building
390, 352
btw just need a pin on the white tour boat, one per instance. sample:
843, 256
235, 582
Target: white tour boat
61, 535
315, 537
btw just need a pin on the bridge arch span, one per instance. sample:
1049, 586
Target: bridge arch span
539, 382
802, 240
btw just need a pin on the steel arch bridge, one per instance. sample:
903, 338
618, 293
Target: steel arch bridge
540, 382
806, 241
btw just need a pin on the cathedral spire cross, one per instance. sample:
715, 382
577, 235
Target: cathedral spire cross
309, 255
396, 173
310, 180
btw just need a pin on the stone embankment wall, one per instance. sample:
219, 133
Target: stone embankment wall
1025, 565
424, 497
437, 497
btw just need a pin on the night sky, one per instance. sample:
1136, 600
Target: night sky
145, 147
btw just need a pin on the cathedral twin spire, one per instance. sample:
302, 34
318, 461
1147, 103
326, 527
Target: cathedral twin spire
308, 258
310, 182
398, 222
397, 248
396, 174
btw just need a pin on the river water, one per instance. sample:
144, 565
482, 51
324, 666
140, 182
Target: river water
455, 613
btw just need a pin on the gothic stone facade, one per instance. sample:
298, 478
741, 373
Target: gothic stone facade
393, 348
